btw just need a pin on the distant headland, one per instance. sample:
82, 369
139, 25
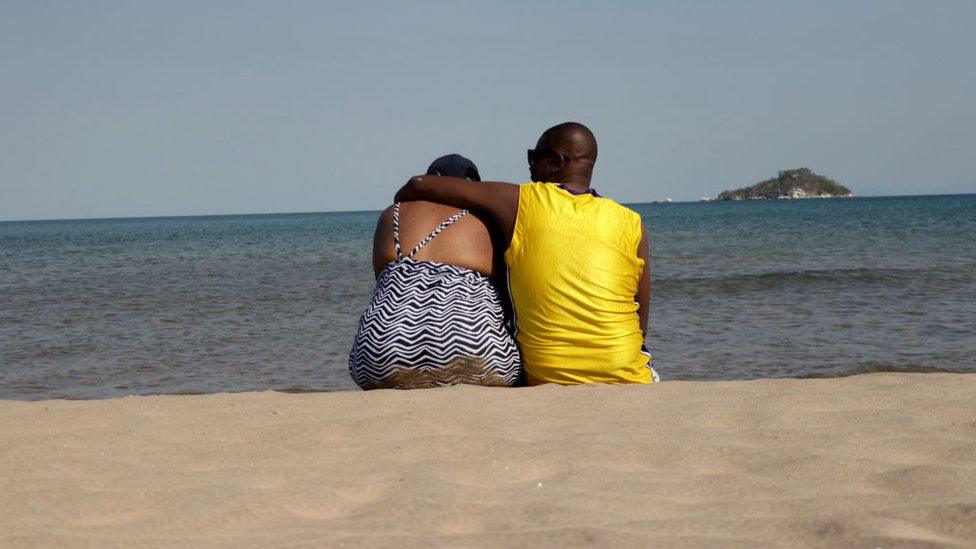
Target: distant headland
799, 183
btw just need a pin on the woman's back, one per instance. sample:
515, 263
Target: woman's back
467, 244
435, 318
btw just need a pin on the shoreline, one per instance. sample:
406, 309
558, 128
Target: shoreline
881, 459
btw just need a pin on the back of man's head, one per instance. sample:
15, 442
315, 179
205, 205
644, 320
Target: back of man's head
574, 138
566, 153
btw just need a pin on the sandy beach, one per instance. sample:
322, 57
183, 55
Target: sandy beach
873, 460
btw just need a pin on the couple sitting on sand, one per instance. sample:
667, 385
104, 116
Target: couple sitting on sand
577, 272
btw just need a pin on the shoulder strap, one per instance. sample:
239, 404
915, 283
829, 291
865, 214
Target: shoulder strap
437, 230
396, 230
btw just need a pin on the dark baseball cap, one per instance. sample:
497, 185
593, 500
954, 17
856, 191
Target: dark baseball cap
454, 165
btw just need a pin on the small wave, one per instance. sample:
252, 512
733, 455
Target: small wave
775, 279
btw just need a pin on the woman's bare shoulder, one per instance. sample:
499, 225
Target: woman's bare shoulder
432, 213
423, 207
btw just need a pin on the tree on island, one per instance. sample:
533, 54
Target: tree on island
799, 183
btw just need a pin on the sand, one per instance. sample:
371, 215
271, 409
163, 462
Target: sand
874, 460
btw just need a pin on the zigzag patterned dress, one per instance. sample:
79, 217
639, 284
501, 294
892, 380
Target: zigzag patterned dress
430, 324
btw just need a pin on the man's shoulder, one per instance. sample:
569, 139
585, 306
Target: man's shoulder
626, 220
619, 208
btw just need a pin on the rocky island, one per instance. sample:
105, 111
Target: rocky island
799, 183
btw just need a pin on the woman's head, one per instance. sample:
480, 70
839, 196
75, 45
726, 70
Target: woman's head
454, 165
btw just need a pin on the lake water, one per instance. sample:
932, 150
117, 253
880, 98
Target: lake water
806, 288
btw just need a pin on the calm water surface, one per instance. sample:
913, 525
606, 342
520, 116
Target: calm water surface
102, 308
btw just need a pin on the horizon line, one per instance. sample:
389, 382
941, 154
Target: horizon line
255, 214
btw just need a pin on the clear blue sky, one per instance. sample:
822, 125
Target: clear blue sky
172, 108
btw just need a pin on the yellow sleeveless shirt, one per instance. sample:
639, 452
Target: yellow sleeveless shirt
573, 271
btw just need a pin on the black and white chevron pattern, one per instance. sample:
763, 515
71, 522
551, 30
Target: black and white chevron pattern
431, 325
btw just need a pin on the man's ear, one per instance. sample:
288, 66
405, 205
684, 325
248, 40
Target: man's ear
559, 161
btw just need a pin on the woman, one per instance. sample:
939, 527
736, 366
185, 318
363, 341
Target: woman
436, 317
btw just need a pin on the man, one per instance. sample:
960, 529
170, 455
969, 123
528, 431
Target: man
578, 265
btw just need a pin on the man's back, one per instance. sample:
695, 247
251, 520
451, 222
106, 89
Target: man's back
573, 271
